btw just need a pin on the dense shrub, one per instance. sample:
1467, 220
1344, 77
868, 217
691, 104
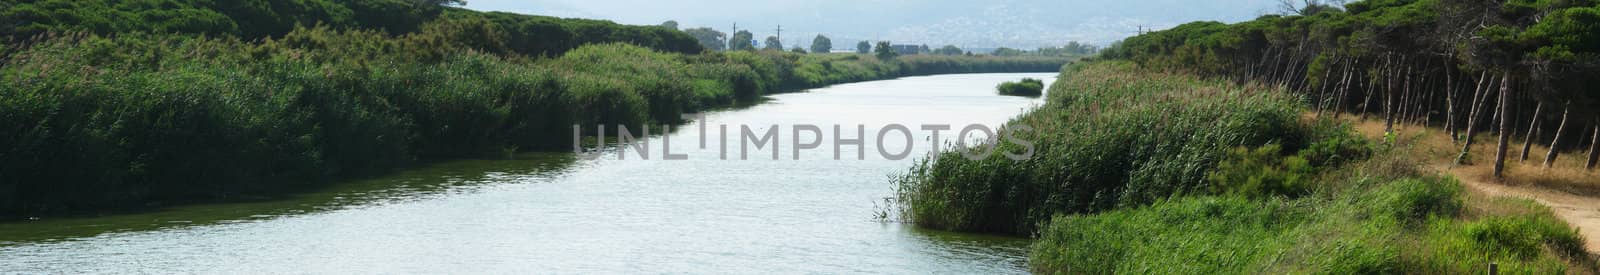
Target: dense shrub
1027, 87
1262, 172
1335, 145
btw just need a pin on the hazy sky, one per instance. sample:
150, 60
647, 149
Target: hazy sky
976, 24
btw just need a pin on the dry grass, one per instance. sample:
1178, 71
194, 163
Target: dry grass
1566, 175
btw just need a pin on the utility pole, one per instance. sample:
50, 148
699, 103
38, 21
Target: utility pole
780, 32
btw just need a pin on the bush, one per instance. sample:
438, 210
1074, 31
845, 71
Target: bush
1335, 145
1262, 172
1027, 87
1417, 200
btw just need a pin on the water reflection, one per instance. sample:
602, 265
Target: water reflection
428, 181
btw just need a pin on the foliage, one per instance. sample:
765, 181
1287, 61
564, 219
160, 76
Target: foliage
821, 44
1004, 51
741, 41
772, 43
1261, 172
885, 51
863, 47
1110, 136
1071, 49
1027, 87
709, 38
1548, 47
948, 50
1337, 206
1346, 234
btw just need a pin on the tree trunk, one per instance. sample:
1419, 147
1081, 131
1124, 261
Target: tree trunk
1344, 89
1450, 101
1533, 132
1555, 146
1494, 128
1505, 123
1322, 92
1407, 100
1594, 146
1481, 96
1388, 99
1366, 104
1422, 115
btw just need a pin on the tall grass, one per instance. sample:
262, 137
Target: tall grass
1364, 222
1108, 137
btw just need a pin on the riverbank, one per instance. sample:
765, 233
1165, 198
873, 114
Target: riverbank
1232, 179
130, 119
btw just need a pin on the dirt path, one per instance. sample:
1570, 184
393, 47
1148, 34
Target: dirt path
1570, 191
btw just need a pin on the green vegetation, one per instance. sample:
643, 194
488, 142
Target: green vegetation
1071, 49
772, 43
1027, 87
709, 38
1431, 62
103, 111
1116, 139
1378, 226
1145, 171
864, 47
821, 44
742, 41
885, 51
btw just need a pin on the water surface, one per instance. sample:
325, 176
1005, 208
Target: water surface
554, 212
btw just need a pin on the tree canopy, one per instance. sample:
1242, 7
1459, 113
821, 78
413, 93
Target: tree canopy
885, 51
741, 41
709, 38
772, 43
821, 44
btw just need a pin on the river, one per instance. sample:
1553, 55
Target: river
558, 213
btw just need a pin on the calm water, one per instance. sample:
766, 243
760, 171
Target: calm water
556, 213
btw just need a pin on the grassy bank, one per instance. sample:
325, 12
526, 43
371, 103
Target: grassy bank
1117, 139
112, 116
1142, 171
